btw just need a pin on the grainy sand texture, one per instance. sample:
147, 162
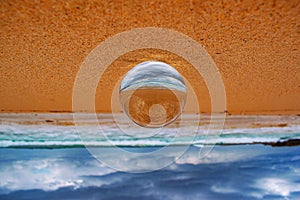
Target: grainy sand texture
255, 45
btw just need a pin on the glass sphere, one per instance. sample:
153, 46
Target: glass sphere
153, 94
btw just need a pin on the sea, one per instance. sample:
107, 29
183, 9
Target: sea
103, 156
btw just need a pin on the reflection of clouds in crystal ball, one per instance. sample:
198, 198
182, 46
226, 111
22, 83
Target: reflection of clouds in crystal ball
153, 94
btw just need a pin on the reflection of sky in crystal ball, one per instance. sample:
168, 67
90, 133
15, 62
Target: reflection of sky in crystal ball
153, 74
153, 94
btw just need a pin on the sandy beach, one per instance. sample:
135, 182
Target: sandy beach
142, 143
254, 44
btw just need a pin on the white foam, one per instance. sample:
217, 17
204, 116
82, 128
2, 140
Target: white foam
13, 133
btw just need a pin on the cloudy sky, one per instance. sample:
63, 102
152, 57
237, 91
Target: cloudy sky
228, 172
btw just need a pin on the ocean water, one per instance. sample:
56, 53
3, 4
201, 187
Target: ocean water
42, 156
59, 130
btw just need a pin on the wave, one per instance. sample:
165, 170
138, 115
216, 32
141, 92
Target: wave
17, 132
59, 139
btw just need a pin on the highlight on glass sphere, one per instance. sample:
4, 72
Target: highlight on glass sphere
153, 94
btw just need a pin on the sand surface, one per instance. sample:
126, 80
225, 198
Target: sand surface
254, 44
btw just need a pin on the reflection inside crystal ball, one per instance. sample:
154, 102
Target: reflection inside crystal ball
153, 94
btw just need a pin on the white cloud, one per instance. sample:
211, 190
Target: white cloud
50, 174
277, 186
223, 189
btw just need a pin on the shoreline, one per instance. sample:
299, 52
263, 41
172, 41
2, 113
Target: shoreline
263, 113
203, 119
286, 143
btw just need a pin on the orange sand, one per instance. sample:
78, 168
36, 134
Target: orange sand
255, 46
